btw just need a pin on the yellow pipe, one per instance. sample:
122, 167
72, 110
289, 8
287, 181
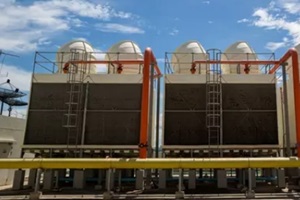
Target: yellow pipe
164, 163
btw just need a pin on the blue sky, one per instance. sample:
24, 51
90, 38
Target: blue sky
27, 26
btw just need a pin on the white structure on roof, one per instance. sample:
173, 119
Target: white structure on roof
185, 54
125, 50
239, 51
76, 50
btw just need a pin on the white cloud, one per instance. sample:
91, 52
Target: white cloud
244, 20
206, 2
210, 22
18, 77
273, 17
290, 6
118, 28
174, 32
22, 25
272, 46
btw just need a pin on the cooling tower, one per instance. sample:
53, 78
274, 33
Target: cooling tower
185, 54
124, 50
76, 50
239, 51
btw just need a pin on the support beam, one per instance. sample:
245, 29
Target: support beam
48, 180
162, 179
250, 192
109, 184
32, 177
221, 178
139, 180
192, 179
18, 179
35, 195
281, 178
180, 193
79, 179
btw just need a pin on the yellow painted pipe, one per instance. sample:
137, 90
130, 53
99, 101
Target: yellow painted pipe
163, 163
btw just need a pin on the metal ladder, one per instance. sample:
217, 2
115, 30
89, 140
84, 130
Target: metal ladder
73, 117
214, 100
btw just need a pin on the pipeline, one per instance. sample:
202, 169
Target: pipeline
292, 53
162, 163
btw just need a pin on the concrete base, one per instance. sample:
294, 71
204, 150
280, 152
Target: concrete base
79, 179
162, 179
109, 183
35, 195
250, 194
221, 178
253, 178
139, 181
18, 180
281, 178
48, 180
108, 195
32, 177
179, 195
192, 179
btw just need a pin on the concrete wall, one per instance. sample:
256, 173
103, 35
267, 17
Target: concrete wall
11, 141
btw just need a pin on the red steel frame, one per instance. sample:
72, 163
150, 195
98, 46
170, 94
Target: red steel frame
149, 61
292, 53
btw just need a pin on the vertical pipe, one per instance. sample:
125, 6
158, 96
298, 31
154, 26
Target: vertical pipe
249, 179
180, 180
145, 105
282, 121
108, 180
150, 126
295, 65
286, 111
157, 117
84, 118
56, 179
296, 97
37, 181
